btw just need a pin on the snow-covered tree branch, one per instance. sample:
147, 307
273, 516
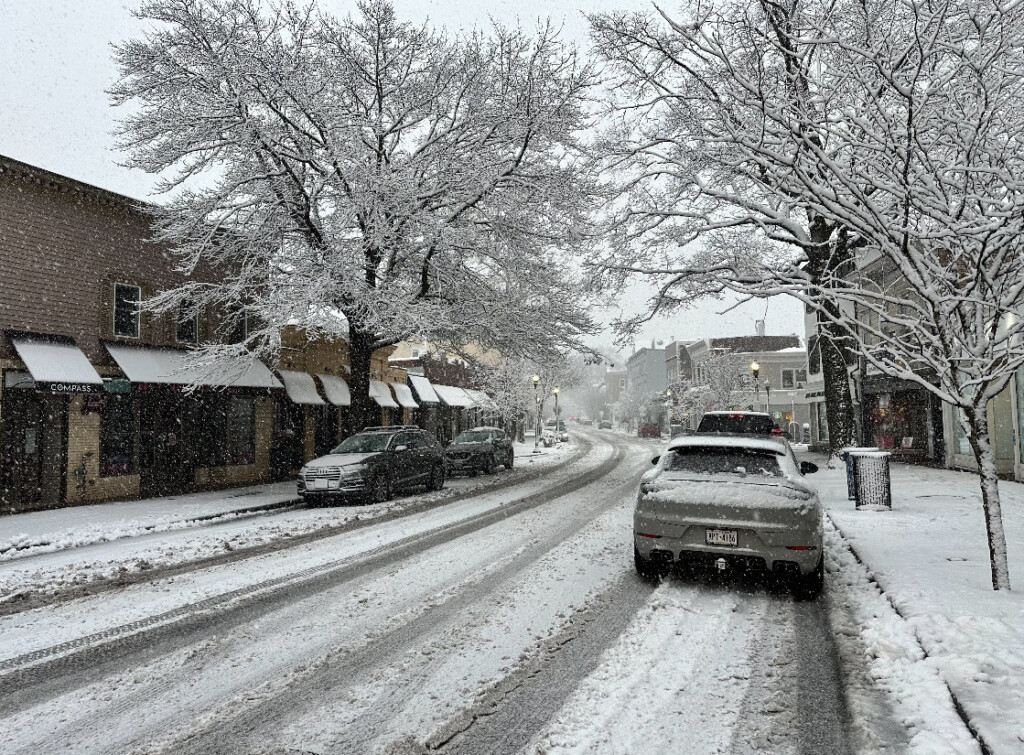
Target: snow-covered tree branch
863, 157
415, 183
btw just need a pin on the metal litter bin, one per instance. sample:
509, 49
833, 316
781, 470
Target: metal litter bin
871, 477
850, 457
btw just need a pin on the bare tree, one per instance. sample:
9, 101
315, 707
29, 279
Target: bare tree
886, 133
361, 176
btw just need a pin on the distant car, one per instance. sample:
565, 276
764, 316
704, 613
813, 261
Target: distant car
730, 502
375, 464
559, 431
648, 431
586, 421
737, 422
480, 449
604, 425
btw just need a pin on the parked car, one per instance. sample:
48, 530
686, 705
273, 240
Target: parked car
728, 503
375, 464
586, 422
558, 429
480, 449
737, 422
604, 424
648, 431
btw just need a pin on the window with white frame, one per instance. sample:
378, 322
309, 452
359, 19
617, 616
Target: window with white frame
794, 378
126, 310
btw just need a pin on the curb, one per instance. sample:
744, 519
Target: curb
957, 705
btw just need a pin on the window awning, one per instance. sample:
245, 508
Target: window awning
453, 396
171, 367
301, 388
423, 390
404, 396
336, 389
481, 400
57, 364
380, 393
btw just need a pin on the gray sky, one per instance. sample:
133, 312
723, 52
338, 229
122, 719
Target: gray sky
55, 67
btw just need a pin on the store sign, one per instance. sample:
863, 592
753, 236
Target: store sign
68, 388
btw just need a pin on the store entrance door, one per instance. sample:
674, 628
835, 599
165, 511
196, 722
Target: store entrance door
33, 450
286, 450
326, 437
168, 444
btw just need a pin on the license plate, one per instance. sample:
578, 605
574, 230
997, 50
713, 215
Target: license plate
720, 537
320, 484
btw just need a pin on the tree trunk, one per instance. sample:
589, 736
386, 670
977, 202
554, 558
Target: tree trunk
838, 398
981, 445
363, 411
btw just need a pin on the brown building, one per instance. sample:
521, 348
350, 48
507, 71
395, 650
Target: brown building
99, 401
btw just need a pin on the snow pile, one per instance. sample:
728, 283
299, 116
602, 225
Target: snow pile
878, 649
929, 555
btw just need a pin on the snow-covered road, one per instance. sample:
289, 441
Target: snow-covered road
500, 622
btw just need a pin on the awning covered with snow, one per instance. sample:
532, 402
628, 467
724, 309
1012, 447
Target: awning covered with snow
423, 390
404, 396
301, 388
56, 364
481, 400
171, 367
450, 395
336, 389
380, 393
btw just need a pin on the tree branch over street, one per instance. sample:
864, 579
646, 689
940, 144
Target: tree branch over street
800, 142
363, 176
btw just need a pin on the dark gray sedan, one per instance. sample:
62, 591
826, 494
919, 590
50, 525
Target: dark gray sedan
730, 503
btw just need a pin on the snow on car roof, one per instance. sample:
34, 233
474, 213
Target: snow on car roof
760, 443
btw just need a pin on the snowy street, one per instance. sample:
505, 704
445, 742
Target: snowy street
506, 621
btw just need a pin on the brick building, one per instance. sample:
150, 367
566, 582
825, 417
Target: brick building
99, 401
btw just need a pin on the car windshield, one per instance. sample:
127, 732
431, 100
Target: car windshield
364, 443
473, 436
745, 424
742, 461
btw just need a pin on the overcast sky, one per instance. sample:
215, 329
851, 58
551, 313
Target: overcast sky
55, 67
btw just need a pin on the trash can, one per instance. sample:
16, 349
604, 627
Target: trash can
850, 457
871, 477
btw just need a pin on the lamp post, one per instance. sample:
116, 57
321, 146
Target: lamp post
558, 431
755, 370
536, 400
767, 397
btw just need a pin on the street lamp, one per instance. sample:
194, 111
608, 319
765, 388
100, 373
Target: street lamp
755, 370
558, 432
767, 397
536, 400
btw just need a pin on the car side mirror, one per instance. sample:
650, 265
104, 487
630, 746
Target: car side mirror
655, 460
402, 447
808, 467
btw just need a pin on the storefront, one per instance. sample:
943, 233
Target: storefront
390, 413
196, 428
34, 407
454, 408
903, 418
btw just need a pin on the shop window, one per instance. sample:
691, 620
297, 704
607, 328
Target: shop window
188, 324
126, 310
117, 436
240, 431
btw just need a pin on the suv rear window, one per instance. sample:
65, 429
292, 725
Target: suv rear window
739, 423
741, 461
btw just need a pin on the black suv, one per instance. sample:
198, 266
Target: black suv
480, 449
375, 464
737, 423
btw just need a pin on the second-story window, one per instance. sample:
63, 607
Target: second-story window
188, 324
126, 310
237, 329
794, 378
